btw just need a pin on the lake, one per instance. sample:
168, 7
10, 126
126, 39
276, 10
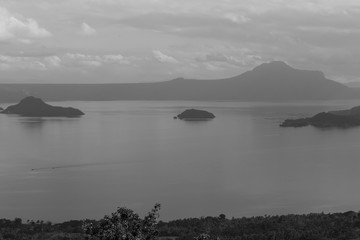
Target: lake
134, 154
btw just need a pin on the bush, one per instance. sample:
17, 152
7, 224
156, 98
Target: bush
124, 224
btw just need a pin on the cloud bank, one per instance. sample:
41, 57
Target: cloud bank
188, 38
16, 27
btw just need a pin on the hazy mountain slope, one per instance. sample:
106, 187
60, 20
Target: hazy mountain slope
352, 84
273, 81
278, 81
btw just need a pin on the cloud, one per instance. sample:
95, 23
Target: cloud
217, 57
86, 29
53, 61
19, 28
67, 60
242, 59
24, 63
95, 60
236, 18
268, 23
213, 67
163, 58
82, 59
181, 24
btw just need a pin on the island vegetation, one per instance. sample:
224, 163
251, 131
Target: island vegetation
36, 107
195, 114
342, 119
124, 224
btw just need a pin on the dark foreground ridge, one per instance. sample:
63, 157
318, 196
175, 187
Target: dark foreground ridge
290, 227
35, 107
194, 114
340, 119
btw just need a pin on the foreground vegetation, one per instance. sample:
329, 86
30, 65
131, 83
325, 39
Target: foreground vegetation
127, 225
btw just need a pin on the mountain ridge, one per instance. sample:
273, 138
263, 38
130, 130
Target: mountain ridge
274, 81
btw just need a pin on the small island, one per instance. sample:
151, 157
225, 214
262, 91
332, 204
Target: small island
195, 115
341, 119
35, 107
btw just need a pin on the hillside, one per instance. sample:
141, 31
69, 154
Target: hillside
275, 81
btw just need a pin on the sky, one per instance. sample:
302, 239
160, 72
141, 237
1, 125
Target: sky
101, 41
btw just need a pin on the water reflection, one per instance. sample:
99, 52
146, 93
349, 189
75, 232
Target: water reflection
197, 121
39, 122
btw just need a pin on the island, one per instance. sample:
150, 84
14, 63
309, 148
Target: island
195, 115
35, 107
341, 119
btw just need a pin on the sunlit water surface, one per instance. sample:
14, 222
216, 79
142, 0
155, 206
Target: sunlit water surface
134, 154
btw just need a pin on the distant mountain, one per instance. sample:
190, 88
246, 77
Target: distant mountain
275, 81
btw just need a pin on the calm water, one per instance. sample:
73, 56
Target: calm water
135, 154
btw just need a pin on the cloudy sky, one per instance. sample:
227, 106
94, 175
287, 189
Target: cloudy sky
85, 41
